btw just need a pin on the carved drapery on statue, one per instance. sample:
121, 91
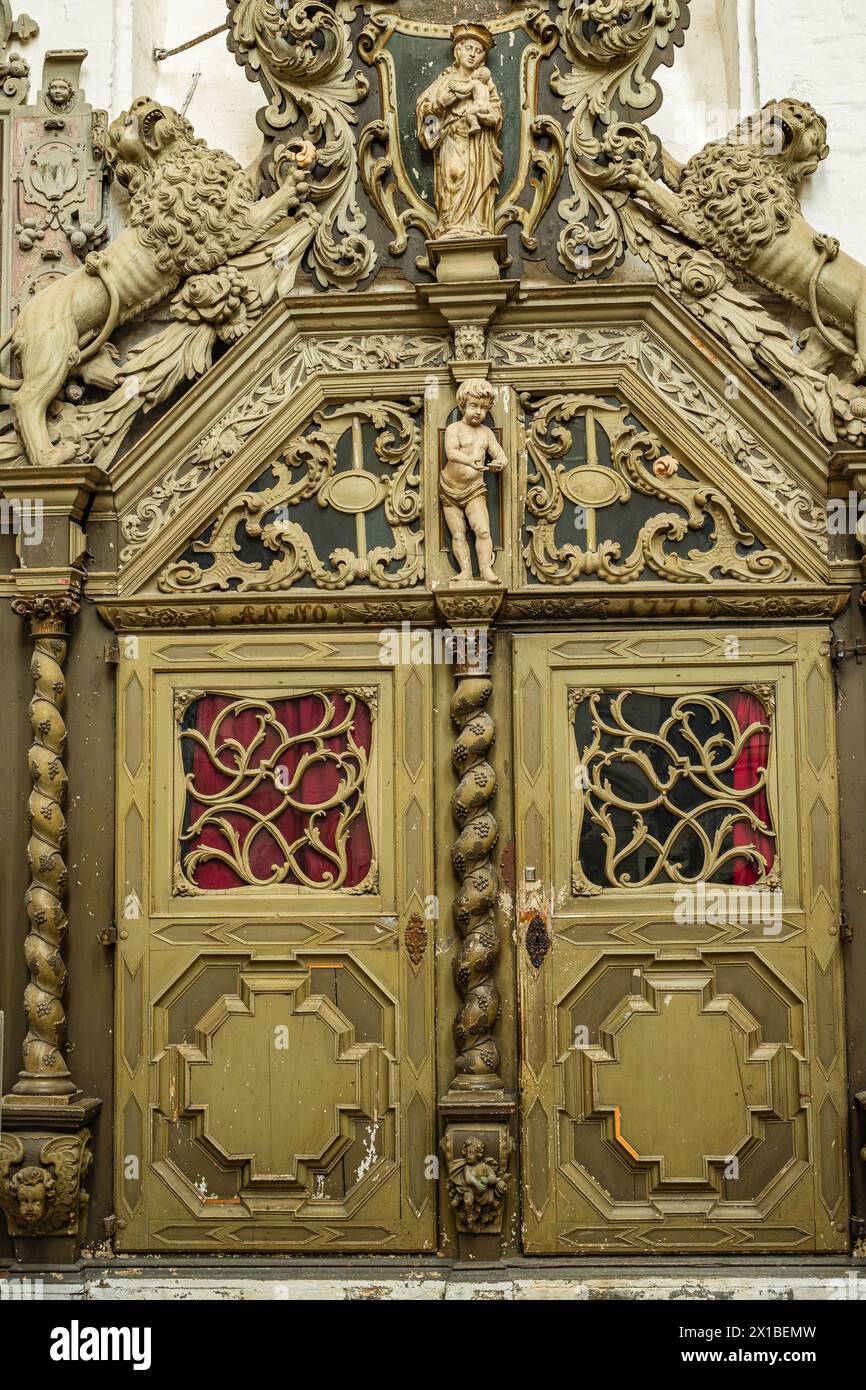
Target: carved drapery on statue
459, 119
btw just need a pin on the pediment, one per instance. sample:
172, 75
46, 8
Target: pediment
308, 469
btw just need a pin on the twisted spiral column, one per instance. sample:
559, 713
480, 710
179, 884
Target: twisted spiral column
45, 1072
475, 902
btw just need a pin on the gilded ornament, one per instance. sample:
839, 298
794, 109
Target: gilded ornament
415, 938
308, 466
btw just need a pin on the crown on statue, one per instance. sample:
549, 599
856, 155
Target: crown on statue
473, 31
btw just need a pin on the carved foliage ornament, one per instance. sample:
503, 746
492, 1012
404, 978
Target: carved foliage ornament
302, 55
637, 464
475, 903
368, 352
328, 462
461, 188
45, 1071
613, 46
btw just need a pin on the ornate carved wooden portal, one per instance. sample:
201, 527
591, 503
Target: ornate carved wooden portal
682, 1070
275, 1013
422, 475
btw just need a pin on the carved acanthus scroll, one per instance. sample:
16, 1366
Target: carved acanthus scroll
302, 55
312, 465
637, 464
612, 44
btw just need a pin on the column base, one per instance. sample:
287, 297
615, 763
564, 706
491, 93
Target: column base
45, 1157
477, 1145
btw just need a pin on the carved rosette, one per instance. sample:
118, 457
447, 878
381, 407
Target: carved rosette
475, 903
45, 1072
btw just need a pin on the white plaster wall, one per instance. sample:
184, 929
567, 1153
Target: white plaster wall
818, 52
737, 55
120, 36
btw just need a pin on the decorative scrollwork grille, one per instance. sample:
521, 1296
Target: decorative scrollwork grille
673, 788
276, 791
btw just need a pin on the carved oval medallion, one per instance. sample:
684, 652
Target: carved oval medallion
352, 492
591, 486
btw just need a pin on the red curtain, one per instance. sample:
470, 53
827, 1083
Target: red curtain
319, 782
753, 759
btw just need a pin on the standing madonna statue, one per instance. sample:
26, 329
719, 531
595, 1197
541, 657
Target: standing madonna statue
459, 118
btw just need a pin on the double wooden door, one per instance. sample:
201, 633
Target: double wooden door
680, 967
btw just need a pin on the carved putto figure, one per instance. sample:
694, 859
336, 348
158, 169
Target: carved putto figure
459, 118
476, 1188
471, 448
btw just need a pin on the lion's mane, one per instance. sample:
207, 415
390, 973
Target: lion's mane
189, 205
744, 194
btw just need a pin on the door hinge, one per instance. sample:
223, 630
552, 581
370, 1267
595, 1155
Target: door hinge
111, 654
846, 931
108, 935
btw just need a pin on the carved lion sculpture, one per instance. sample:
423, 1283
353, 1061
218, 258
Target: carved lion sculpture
191, 209
739, 198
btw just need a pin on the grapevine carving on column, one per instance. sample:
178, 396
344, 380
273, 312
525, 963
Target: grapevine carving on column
45, 1072
475, 903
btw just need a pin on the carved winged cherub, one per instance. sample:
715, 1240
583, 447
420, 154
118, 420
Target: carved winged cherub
739, 198
191, 210
475, 1186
